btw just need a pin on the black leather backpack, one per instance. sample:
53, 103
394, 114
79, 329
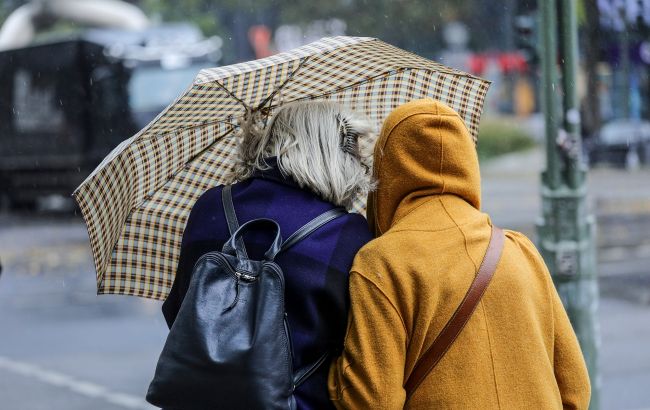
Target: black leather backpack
230, 345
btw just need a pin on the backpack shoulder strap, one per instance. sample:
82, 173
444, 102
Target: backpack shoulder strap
302, 374
300, 234
229, 209
452, 329
231, 216
311, 226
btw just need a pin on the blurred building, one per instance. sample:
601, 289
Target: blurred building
67, 100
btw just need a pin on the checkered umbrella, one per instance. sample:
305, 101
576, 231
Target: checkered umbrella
136, 202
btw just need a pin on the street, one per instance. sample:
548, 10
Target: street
63, 347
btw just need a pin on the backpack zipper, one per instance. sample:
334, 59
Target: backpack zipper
311, 370
287, 331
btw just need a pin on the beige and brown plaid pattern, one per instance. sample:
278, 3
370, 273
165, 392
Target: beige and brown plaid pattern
136, 202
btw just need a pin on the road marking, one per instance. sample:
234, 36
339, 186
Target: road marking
91, 390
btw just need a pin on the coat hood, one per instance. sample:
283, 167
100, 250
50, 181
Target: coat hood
424, 150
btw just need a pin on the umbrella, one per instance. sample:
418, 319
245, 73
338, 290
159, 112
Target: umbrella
136, 202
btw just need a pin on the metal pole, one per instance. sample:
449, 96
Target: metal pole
566, 229
551, 176
575, 173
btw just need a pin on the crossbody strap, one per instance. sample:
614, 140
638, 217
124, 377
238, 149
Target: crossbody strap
452, 329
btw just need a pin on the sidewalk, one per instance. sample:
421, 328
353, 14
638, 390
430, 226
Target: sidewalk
620, 200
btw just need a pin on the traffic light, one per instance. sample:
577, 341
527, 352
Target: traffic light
527, 37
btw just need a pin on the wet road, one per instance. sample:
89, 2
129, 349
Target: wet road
63, 347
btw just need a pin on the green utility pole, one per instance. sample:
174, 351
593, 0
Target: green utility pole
566, 229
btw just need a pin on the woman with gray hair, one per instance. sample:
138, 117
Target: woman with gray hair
305, 162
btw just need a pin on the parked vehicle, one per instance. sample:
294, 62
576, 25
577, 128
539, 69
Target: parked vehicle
623, 143
64, 105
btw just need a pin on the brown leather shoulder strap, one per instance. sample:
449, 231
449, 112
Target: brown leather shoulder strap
452, 329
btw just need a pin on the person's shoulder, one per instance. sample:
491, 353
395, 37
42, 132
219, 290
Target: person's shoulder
209, 197
387, 242
206, 204
523, 243
355, 220
523, 256
354, 228
380, 262
374, 255
208, 201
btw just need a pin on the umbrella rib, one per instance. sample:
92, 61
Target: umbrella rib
191, 126
270, 96
289, 78
230, 93
219, 138
222, 136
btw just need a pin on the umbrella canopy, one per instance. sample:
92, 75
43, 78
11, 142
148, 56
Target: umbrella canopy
136, 202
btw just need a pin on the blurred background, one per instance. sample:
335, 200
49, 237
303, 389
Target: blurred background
79, 76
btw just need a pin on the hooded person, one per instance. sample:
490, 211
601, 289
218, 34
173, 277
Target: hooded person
518, 349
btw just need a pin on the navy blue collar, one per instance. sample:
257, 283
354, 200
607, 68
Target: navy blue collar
274, 173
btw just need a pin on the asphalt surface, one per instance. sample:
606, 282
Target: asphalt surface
63, 347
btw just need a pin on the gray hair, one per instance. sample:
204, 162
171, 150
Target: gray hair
316, 144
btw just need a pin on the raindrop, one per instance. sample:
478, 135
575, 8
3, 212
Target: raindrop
63, 283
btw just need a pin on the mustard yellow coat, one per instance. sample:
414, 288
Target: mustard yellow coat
518, 350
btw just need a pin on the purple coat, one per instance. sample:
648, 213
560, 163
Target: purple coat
315, 269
